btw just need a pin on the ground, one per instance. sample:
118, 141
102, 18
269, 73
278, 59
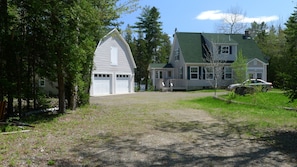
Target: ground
139, 129
190, 138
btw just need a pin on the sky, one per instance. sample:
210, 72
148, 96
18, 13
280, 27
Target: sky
206, 15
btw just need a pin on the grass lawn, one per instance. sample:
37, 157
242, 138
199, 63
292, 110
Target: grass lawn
261, 112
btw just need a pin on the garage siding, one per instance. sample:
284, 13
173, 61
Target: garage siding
113, 70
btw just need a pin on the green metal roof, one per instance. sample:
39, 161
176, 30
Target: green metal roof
192, 50
249, 48
219, 38
191, 46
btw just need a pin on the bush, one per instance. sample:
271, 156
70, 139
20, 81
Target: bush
243, 90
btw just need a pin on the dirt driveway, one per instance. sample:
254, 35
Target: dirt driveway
189, 137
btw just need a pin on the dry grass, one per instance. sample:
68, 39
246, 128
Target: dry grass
143, 129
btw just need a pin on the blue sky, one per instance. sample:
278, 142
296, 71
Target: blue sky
204, 16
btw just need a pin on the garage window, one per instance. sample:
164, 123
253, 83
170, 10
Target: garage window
114, 56
122, 76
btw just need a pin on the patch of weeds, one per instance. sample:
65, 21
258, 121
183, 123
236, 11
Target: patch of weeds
51, 163
29, 162
12, 162
231, 96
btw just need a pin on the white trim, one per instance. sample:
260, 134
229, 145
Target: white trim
257, 60
197, 73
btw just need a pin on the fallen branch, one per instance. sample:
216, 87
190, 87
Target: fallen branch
15, 123
20, 131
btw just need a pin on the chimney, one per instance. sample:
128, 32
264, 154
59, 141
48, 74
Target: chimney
247, 34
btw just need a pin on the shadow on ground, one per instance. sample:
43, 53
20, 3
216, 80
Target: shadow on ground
211, 145
284, 141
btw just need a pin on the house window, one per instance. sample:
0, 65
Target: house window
209, 73
114, 56
181, 72
224, 50
194, 72
177, 54
41, 82
259, 75
227, 73
159, 74
169, 74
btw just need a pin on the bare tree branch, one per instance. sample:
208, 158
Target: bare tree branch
233, 21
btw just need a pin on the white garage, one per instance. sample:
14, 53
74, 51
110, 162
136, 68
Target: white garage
102, 84
113, 67
122, 84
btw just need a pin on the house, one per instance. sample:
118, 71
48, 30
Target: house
198, 59
114, 66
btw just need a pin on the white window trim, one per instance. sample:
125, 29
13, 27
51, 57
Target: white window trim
207, 73
197, 73
226, 49
225, 73
114, 56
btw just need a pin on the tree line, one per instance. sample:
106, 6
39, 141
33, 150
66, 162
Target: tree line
53, 39
279, 45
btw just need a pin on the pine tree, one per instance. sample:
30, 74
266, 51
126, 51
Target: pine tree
289, 72
149, 30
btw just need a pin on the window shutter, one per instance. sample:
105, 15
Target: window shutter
188, 72
223, 72
219, 51
230, 50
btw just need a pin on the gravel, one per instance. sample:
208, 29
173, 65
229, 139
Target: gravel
190, 137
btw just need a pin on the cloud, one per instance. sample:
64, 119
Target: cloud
210, 15
219, 15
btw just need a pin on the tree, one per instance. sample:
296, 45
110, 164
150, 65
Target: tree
150, 32
239, 67
257, 29
289, 72
163, 50
233, 21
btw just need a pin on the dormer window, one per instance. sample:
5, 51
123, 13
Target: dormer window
225, 49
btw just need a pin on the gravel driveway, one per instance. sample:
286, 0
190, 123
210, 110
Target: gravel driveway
190, 137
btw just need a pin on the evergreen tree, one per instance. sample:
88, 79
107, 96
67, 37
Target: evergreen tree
289, 72
150, 32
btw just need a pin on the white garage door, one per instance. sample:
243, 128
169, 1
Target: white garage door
102, 84
122, 84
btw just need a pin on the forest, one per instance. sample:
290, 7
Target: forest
55, 40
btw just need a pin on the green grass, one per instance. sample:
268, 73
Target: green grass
268, 99
261, 111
